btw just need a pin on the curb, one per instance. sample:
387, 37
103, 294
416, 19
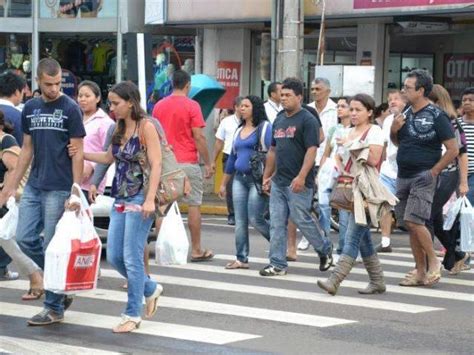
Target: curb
207, 209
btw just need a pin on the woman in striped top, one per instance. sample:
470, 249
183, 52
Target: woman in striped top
451, 179
467, 124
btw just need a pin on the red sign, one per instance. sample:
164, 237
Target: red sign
228, 74
377, 4
458, 73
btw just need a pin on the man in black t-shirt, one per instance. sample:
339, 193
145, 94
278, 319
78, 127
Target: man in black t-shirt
50, 123
290, 171
420, 132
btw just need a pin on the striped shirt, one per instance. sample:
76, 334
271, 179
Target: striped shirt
469, 132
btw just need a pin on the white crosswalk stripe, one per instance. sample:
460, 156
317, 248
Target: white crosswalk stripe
32, 347
412, 303
209, 307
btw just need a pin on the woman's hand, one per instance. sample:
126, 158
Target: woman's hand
148, 208
463, 188
222, 192
92, 193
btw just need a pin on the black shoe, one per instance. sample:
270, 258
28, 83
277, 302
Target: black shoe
67, 302
325, 261
46, 317
231, 221
381, 249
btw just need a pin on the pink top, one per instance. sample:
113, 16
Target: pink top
96, 131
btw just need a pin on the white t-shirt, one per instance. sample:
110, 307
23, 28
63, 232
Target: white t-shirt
389, 166
225, 132
374, 137
328, 118
272, 109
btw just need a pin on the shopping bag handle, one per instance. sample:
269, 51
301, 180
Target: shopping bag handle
466, 202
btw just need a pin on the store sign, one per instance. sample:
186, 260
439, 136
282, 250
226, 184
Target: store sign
376, 4
228, 74
69, 83
458, 73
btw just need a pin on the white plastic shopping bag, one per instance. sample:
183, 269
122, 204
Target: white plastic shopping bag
73, 256
452, 214
9, 221
327, 177
467, 226
172, 245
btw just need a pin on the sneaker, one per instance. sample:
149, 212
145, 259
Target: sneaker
67, 302
325, 261
9, 276
303, 244
46, 317
231, 221
271, 270
381, 249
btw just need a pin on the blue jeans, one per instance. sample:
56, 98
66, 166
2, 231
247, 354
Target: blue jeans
286, 204
249, 206
343, 224
325, 218
128, 233
358, 238
470, 194
40, 211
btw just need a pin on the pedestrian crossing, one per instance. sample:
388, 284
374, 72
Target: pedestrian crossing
221, 297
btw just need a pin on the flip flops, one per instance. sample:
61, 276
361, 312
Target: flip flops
33, 294
205, 256
432, 277
410, 281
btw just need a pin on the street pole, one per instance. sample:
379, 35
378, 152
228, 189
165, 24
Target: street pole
35, 54
290, 53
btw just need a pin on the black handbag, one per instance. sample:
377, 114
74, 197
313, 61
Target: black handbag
258, 158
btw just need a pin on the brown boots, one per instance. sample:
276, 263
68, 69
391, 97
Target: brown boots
342, 269
344, 266
377, 283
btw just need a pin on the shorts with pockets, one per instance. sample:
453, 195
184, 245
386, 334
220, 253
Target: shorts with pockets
416, 197
194, 173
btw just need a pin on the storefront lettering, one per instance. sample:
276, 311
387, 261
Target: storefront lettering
460, 68
227, 74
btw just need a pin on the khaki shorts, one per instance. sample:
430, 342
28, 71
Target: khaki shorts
194, 173
416, 197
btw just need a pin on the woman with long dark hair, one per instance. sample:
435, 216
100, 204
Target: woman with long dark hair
249, 205
133, 212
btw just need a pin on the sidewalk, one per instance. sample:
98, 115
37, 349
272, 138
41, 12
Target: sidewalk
211, 205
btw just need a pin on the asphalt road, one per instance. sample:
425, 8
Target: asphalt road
206, 309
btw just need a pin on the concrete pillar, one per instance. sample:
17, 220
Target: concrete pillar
290, 53
371, 46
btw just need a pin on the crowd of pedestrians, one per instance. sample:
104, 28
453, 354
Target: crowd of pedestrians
406, 159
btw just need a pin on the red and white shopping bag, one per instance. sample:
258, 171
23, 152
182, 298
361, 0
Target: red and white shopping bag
73, 255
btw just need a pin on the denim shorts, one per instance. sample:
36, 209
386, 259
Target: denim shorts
416, 197
389, 183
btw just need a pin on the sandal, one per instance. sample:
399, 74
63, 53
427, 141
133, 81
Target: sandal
432, 278
33, 294
411, 281
127, 325
151, 303
236, 264
205, 256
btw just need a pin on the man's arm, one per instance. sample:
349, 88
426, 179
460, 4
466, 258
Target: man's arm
397, 124
269, 168
77, 159
201, 146
463, 171
298, 183
452, 151
24, 161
